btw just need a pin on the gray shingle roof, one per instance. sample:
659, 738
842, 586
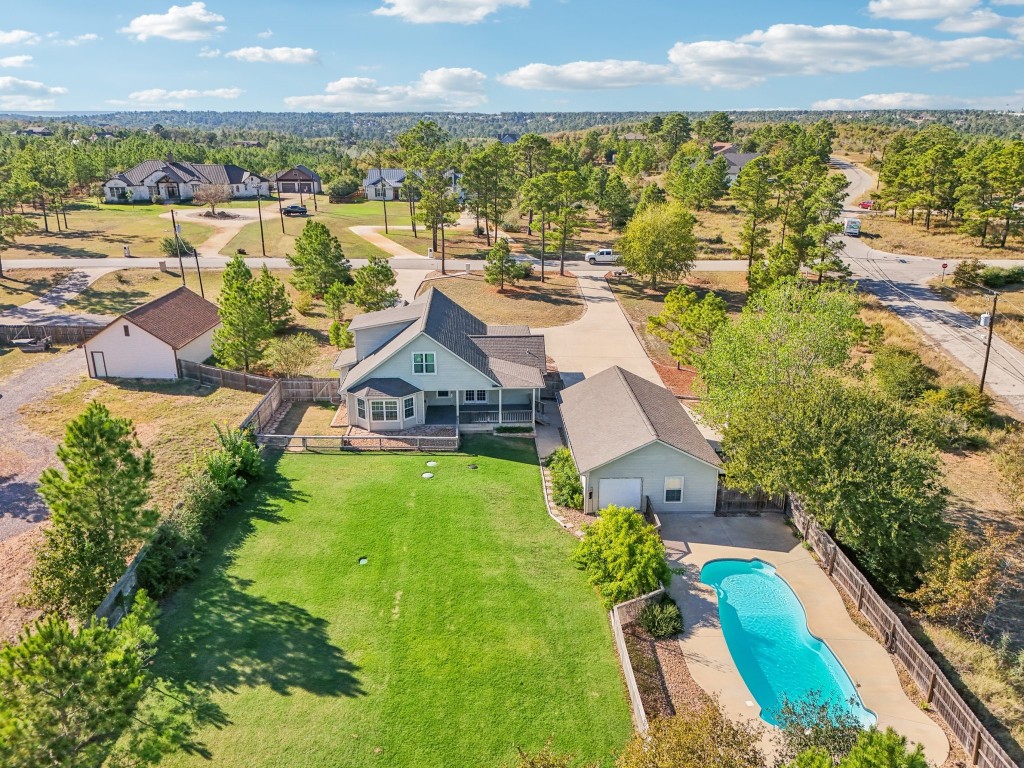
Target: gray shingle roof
176, 318
509, 361
617, 412
385, 388
298, 172
187, 173
390, 175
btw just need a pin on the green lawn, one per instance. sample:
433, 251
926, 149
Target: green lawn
338, 218
97, 231
467, 632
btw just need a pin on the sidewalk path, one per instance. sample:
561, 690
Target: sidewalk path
46, 309
600, 339
373, 235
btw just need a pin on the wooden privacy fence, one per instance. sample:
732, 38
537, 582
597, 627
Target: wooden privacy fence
311, 443
980, 745
311, 390
621, 615
213, 376
732, 502
263, 414
59, 334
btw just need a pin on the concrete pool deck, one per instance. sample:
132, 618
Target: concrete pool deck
693, 540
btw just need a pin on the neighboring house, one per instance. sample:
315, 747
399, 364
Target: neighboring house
633, 136
718, 147
383, 183
248, 144
172, 180
33, 130
736, 161
632, 439
508, 138
297, 179
148, 341
433, 363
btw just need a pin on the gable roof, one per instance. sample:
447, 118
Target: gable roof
296, 170
186, 173
616, 412
176, 318
518, 360
738, 159
390, 176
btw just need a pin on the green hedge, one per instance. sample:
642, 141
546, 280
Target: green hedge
566, 487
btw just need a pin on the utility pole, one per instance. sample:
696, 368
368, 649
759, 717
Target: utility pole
259, 212
988, 345
177, 247
280, 209
195, 252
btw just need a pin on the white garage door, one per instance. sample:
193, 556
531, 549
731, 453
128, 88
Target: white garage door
620, 491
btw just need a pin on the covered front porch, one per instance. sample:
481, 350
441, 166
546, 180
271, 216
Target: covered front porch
438, 415
499, 407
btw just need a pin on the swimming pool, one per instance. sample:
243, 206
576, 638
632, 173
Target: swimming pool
765, 628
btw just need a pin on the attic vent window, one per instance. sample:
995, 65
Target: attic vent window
126, 331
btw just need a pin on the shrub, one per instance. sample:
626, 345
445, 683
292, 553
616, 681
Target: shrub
968, 402
815, 724
900, 373
339, 335
968, 273
513, 227
874, 335
1010, 461
478, 230
997, 277
705, 737
566, 487
170, 562
661, 619
171, 247
242, 446
622, 555
291, 355
303, 304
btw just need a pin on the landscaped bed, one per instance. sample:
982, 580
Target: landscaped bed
466, 633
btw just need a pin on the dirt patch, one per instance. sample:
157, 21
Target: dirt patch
683, 691
650, 681
16, 560
557, 301
678, 381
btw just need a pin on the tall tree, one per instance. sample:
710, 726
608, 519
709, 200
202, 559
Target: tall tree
245, 328
531, 155
272, 295
697, 179
541, 194
319, 260
98, 509
569, 212
616, 202
501, 267
1008, 179
658, 243
373, 286
421, 149
688, 323
754, 195
489, 179
675, 131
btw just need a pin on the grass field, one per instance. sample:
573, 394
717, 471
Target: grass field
98, 231
174, 419
20, 286
466, 633
557, 301
14, 361
338, 218
942, 241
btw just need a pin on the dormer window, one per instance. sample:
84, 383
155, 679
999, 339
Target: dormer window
423, 363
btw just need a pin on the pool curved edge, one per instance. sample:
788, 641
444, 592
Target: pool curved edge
743, 669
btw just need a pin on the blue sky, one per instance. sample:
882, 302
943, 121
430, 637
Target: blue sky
509, 55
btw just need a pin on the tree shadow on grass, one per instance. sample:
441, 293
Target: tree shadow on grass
112, 302
223, 635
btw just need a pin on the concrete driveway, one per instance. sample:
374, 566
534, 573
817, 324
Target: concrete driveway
600, 339
693, 540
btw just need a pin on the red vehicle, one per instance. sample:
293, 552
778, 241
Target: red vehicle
867, 204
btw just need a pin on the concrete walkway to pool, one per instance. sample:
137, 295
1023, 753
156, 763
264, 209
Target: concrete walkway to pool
693, 540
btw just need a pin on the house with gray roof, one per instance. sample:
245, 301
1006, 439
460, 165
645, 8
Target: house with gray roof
172, 180
432, 363
383, 183
634, 443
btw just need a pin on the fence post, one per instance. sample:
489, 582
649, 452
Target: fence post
931, 688
977, 748
860, 596
832, 559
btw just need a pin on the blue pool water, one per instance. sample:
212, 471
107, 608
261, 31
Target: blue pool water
765, 628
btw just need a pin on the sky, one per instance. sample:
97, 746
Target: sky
511, 55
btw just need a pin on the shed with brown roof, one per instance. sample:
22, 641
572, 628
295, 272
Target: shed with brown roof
147, 342
633, 441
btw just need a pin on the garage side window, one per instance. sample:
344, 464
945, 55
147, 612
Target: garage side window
673, 490
360, 408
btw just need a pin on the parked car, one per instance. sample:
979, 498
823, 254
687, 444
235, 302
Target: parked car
602, 256
294, 210
867, 205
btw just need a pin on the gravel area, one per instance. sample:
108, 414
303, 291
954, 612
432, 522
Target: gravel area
25, 454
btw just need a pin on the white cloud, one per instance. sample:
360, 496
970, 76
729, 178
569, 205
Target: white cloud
18, 37
176, 98
782, 50
186, 23
275, 55
15, 62
72, 42
440, 89
921, 101
920, 9
450, 11
582, 75
16, 93
265, 34
209, 53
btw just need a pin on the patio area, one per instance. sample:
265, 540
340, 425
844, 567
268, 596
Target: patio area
693, 540
477, 414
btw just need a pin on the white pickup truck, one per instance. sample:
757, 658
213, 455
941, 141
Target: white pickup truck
602, 256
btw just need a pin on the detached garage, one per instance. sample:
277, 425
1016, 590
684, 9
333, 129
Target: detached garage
148, 341
632, 439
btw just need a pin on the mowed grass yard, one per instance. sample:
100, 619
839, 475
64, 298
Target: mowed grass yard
466, 634
96, 231
337, 216
557, 301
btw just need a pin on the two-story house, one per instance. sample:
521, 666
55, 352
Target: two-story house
433, 363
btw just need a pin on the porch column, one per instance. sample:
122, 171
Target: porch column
456, 410
500, 415
533, 407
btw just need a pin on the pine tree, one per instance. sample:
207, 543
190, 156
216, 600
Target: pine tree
272, 296
373, 286
616, 201
335, 299
501, 268
753, 193
98, 512
687, 323
245, 328
319, 260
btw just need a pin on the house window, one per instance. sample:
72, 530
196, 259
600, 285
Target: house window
360, 408
476, 395
384, 410
423, 362
443, 393
126, 331
673, 490
409, 407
